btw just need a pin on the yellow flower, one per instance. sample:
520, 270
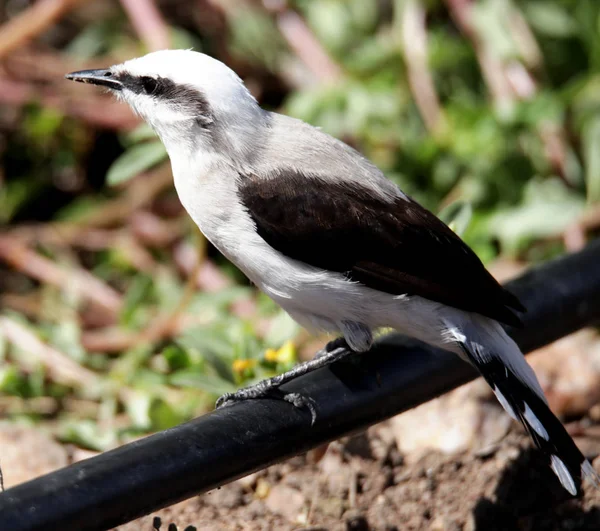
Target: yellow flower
285, 354
242, 365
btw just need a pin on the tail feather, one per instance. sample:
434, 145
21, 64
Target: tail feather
546, 431
522, 398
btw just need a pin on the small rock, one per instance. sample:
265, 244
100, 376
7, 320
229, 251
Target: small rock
594, 413
294, 479
316, 454
228, 497
506, 456
263, 487
402, 476
256, 509
569, 371
339, 477
359, 445
333, 507
286, 501
486, 451
356, 521
28, 453
395, 457
444, 524
249, 481
450, 424
379, 482
77, 454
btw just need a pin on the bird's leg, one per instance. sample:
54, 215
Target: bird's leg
335, 350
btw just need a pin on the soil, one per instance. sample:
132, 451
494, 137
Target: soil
454, 463
365, 483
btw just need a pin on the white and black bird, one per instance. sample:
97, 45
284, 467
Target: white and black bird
327, 236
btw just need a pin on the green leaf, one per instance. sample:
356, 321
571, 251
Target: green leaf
282, 329
141, 133
3, 349
134, 161
16, 194
167, 289
163, 416
11, 381
126, 367
214, 347
332, 23
184, 40
591, 155
489, 17
549, 18
176, 357
211, 383
42, 123
80, 208
548, 208
88, 434
90, 42
66, 336
137, 406
457, 216
216, 306
139, 290
254, 36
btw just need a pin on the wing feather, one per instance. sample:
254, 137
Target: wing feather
387, 243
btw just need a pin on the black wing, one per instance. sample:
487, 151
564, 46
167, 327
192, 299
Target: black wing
394, 246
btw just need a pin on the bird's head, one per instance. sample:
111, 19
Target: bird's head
182, 94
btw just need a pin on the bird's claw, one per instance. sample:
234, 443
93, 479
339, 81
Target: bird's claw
296, 399
225, 400
300, 401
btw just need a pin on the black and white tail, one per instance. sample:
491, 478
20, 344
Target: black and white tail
516, 387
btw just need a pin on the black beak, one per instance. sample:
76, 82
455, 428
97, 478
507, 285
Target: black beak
102, 76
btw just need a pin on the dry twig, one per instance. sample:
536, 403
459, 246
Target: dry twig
297, 34
59, 366
163, 326
28, 76
492, 68
511, 81
148, 23
139, 193
31, 22
414, 36
574, 236
79, 281
307, 47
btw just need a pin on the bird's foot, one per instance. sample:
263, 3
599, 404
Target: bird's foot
334, 351
335, 345
268, 389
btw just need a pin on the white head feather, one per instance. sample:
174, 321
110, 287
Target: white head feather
230, 104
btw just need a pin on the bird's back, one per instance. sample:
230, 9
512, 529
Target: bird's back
294, 144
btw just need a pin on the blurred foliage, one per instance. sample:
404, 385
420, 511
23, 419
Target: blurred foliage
511, 163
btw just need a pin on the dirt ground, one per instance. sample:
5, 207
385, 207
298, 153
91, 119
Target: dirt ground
454, 463
364, 483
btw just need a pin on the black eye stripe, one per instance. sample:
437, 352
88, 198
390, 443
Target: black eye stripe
143, 84
158, 86
185, 97
149, 84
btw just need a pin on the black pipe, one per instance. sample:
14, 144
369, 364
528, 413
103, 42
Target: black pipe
146, 475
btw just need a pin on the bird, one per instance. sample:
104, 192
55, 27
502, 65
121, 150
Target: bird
324, 233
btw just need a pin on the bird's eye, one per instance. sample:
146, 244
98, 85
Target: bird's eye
149, 84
